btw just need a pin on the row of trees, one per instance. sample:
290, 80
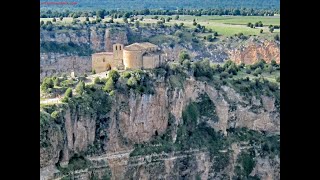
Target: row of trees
127, 14
257, 24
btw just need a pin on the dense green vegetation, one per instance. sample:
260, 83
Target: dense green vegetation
83, 50
76, 162
162, 5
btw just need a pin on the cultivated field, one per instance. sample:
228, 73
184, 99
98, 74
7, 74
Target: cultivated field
224, 25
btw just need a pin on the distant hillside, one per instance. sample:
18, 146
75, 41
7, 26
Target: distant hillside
163, 4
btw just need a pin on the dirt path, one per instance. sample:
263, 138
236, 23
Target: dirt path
50, 101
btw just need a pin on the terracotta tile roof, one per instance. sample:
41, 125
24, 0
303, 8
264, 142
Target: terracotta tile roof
140, 46
103, 53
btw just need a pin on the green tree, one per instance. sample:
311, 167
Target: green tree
183, 56
126, 15
176, 17
61, 18
209, 38
114, 75
261, 30
56, 82
277, 37
273, 63
126, 74
41, 23
271, 29
80, 87
278, 79
54, 20
96, 80
46, 84
137, 24
68, 93
87, 19
109, 86
186, 63
132, 82
48, 23
257, 71
100, 14
249, 24
224, 75
178, 34
270, 69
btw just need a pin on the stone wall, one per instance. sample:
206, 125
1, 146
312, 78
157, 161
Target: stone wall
132, 59
102, 62
151, 61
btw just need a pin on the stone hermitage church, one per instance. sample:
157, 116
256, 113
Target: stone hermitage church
135, 56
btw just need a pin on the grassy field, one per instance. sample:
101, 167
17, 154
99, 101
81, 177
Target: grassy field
224, 25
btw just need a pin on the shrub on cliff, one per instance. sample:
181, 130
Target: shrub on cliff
114, 75
183, 56
132, 82
277, 37
96, 80
202, 69
126, 74
257, 71
56, 82
209, 38
46, 84
261, 63
224, 75
68, 93
109, 86
80, 87
269, 68
247, 163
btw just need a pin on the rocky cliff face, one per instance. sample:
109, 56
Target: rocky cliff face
253, 52
247, 51
137, 119
94, 35
55, 63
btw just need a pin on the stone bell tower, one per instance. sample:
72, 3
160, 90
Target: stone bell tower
118, 55
107, 45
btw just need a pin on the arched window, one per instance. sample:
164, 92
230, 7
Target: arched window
116, 47
104, 60
120, 48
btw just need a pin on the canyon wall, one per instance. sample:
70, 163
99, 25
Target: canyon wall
247, 51
137, 119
